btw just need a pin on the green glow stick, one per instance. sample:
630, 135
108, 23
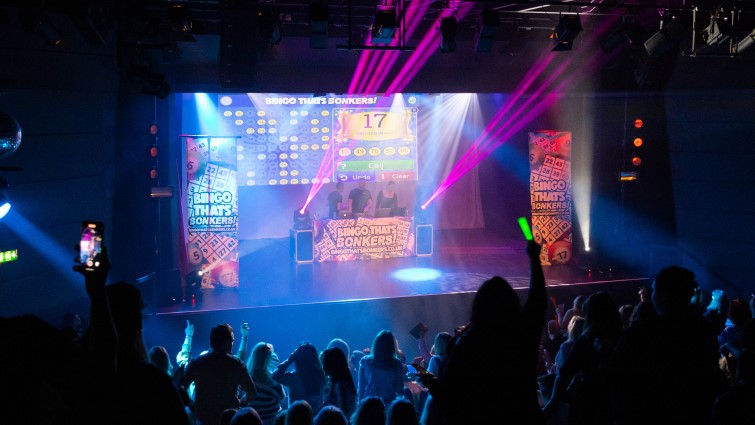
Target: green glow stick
525, 228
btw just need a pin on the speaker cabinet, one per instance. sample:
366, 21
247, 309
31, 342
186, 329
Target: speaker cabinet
424, 234
302, 245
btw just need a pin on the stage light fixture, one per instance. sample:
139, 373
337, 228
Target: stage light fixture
628, 176
566, 31
181, 23
747, 42
665, 39
302, 219
487, 28
318, 25
384, 25
629, 34
717, 31
448, 34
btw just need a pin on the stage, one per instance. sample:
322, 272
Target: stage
286, 303
461, 261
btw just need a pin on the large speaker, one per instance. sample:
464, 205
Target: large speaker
424, 236
302, 245
238, 44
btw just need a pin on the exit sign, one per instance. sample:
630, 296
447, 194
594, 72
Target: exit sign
8, 256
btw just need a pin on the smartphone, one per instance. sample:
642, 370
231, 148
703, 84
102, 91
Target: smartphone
90, 243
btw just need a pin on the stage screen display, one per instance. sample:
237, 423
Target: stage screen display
290, 139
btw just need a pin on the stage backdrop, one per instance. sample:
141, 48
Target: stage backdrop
212, 206
550, 194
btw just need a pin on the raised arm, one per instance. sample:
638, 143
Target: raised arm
241, 354
536, 300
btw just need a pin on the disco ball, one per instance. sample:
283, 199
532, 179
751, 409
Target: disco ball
10, 135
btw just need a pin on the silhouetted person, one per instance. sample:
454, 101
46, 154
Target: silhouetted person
381, 373
588, 368
330, 415
269, 393
401, 412
370, 411
307, 381
340, 387
299, 413
667, 366
217, 375
489, 375
246, 416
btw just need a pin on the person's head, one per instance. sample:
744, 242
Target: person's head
159, 357
391, 186
673, 288
342, 345
552, 328
362, 184
578, 304
334, 365
495, 305
339, 186
227, 415
625, 312
259, 362
401, 412
371, 411
330, 415
575, 327
642, 312
309, 368
356, 357
383, 348
440, 343
739, 312
221, 338
602, 315
246, 416
299, 413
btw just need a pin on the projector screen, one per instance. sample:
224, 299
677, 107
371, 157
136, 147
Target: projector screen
288, 139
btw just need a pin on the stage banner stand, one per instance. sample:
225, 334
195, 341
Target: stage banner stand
212, 210
551, 194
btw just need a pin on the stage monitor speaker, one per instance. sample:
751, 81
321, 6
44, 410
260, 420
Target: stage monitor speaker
424, 237
302, 245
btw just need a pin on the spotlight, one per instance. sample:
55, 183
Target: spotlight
717, 31
628, 34
181, 24
302, 220
384, 26
565, 32
448, 34
4, 201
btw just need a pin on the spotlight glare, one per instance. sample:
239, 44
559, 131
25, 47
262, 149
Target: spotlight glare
416, 274
4, 207
587, 248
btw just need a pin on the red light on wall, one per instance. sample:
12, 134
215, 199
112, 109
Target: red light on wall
153, 174
153, 151
637, 142
636, 161
638, 123
153, 129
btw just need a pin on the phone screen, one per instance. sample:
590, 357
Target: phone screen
90, 244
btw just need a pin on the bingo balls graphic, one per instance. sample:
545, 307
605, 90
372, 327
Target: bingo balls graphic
559, 252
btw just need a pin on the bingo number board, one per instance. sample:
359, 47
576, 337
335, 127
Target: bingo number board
289, 144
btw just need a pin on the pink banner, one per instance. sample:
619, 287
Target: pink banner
551, 195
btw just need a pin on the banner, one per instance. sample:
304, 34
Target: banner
363, 238
212, 210
550, 194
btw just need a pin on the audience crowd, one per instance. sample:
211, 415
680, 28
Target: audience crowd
670, 358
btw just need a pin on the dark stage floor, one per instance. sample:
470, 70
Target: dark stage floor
462, 260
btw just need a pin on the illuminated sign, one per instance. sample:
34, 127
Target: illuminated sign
8, 256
